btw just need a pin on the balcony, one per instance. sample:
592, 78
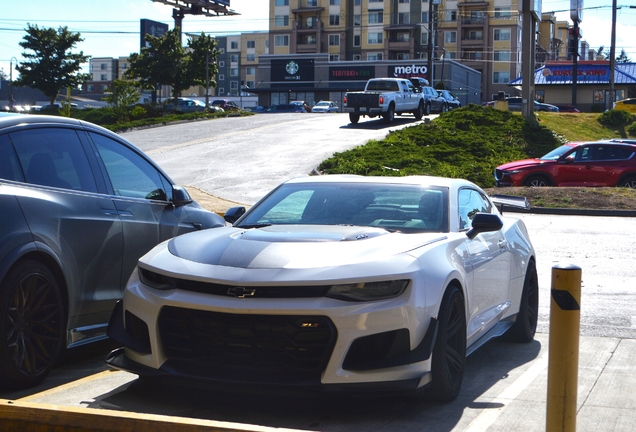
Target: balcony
306, 48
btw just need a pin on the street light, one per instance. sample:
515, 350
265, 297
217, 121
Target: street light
11, 100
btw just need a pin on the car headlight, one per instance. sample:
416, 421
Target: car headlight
156, 280
368, 291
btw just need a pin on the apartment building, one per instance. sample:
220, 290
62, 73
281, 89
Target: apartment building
104, 71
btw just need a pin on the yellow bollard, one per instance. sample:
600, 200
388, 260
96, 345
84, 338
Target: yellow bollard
563, 356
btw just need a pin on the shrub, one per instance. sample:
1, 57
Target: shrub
615, 118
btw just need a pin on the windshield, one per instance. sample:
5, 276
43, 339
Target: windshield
404, 208
557, 152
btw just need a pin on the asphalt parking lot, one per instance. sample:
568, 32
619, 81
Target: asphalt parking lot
505, 386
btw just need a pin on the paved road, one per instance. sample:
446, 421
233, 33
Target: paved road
242, 158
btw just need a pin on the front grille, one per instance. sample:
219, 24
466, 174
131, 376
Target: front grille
248, 347
498, 174
159, 281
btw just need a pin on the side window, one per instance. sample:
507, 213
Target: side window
585, 154
130, 174
54, 157
471, 202
9, 165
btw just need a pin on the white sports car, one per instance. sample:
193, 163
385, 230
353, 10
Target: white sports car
337, 283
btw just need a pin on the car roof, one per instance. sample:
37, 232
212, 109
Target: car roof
406, 180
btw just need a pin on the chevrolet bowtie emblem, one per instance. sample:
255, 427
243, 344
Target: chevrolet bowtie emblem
241, 292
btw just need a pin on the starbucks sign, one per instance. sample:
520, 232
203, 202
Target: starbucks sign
292, 70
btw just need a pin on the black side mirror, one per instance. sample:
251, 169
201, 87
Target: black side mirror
180, 196
233, 214
484, 222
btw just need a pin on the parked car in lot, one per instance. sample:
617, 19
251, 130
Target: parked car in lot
451, 101
285, 108
325, 107
79, 205
628, 105
335, 283
515, 104
226, 104
567, 108
601, 163
303, 104
186, 105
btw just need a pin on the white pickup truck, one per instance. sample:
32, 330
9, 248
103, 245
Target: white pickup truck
385, 97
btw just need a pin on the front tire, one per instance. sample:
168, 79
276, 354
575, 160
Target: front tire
31, 325
449, 352
525, 326
419, 112
538, 181
354, 118
628, 182
427, 109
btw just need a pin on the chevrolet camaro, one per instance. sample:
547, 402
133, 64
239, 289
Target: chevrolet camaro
334, 283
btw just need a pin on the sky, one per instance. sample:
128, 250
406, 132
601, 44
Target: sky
110, 28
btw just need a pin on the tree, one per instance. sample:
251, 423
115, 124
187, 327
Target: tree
601, 51
51, 65
124, 94
622, 58
3, 75
166, 62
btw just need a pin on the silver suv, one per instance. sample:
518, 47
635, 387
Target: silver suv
79, 206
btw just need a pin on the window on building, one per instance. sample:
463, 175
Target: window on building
450, 37
356, 57
334, 20
282, 3
89, 88
424, 38
234, 72
281, 40
475, 35
402, 56
250, 84
103, 66
103, 77
312, 22
404, 1
451, 15
250, 71
500, 77
221, 90
312, 3
356, 40
503, 56
334, 57
234, 86
356, 2
124, 66
234, 58
424, 17
404, 18
376, 17
234, 45
502, 13
374, 38
334, 40
309, 40
105, 87
502, 34
250, 57
281, 20
357, 20
374, 56
221, 77
221, 63
403, 37
451, 55
251, 44
334, 2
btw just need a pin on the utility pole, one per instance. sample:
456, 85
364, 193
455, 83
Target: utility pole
528, 41
612, 65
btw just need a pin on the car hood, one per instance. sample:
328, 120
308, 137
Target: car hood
295, 246
525, 163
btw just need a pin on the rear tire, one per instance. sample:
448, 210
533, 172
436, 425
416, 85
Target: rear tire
538, 181
524, 328
354, 118
389, 115
31, 325
449, 352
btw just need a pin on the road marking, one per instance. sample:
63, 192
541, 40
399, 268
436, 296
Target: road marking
488, 417
69, 385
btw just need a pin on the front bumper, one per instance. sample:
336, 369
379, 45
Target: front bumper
174, 335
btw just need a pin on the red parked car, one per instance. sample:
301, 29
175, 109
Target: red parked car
601, 163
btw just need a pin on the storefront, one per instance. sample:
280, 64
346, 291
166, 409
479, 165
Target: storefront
312, 78
553, 84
